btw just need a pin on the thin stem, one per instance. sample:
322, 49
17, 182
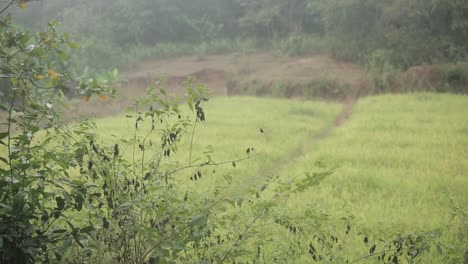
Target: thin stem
143, 153
8, 6
10, 112
164, 239
206, 164
242, 235
134, 141
191, 141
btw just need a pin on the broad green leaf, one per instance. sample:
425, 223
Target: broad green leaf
4, 160
3, 135
3, 107
60, 203
5, 206
79, 202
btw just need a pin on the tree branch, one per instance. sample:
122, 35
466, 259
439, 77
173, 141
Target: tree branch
207, 164
8, 6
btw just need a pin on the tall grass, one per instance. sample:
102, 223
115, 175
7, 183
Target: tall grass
401, 161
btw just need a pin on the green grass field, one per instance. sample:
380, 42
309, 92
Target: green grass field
401, 160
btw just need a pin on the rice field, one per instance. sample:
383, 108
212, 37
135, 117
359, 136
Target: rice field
400, 164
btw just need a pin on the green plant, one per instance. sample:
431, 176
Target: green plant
456, 77
37, 198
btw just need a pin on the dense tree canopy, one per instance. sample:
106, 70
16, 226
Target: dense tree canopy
405, 32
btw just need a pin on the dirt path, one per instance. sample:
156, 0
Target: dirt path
344, 115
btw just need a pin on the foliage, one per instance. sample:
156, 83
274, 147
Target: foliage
36, 194
411, 32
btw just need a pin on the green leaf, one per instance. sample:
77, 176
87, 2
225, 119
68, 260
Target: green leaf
60, 203
4, 206
3, 107
79, 202
439, 249
77, 239
3, 135
124, 206
4, 160
87, 229
198, 220
58, 256
71, 225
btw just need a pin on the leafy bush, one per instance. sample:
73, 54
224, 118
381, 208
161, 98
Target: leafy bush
456, 77
38, 199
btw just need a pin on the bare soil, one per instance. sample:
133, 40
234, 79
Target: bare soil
216, 72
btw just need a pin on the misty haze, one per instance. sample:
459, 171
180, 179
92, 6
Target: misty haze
233, 131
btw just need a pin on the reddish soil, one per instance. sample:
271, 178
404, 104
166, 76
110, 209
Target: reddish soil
215, 72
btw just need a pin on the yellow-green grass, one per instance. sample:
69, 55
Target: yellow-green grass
400, 159
233, 125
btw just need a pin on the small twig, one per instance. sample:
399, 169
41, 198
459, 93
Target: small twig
242, 235
206, 211
10, 113
9, 4
191, 141
207, 164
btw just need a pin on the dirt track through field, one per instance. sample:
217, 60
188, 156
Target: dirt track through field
316, 138
343, 116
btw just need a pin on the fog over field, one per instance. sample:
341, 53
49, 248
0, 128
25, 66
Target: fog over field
233, 131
